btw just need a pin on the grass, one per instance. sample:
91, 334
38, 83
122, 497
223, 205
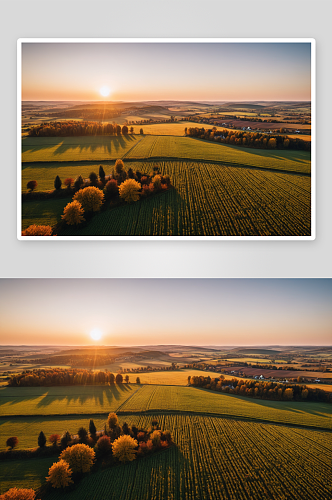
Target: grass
101, 148
44, 212
211, 200
63, 400
220, 459
24, 473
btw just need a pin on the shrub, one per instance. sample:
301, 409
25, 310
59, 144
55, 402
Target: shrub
59, 475
124, 448
21, 494
73, 213
35, 230
12, 442
54, 438
104, 445
80, 457
32, 185
129, 190
57, 182
91, 198
41, 439
112, 420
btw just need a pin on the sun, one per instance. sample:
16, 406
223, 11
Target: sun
105, 91
96, 334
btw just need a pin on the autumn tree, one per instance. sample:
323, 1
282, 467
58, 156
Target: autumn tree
156, 181
78, 183
124, 130
101, 174
12, 442
124, 448
31, 185
119, 379
141, 131
82, 434
80, 457
65, 439
104, 445
59, 475
127, 379
93, 177
68, 182
41, 439
35, 230
111, 188
138, 380
19, 494
57, 183
92, 428
129, 190
91, 198
112, 420
119, 166
54, 438
73, 213
131, 129
289, 393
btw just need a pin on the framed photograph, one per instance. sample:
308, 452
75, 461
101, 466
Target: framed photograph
166, 139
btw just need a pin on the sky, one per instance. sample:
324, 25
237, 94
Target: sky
166, 311
167, 71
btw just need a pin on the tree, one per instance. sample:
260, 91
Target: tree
272, 143
141, 131
156, 181
57, 183
92, 428
59, 475
93, 178
112, 420
32, 185
12, 442
124, 130
73, 213
68, 182
119, 379
124, 448
129, 190
80, 457
127, 379
91, 198
41, 439
54, 438
19, 494
78, 183
82, 434
131, 129
65, 439
111, 189
119, 166
101, 173
104, 445
138, 380
35, 230
156, 438
288, 394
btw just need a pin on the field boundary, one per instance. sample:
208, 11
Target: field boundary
169, 158
170, 412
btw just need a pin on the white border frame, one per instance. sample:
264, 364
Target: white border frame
312, 41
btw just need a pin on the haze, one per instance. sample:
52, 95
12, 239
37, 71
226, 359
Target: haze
166, 311
157, 71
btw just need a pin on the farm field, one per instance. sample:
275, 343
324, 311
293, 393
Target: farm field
24, 473
251, 372
44, 212
235, 460
80, 400
213, 200
101, 148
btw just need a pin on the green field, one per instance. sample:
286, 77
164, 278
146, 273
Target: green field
215, 458
212, 200
24, 473
101, 148
80, 400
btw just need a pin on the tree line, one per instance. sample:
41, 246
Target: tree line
74, 128
249, 139
262, 390
60, 376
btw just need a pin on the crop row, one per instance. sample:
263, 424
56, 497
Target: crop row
220, 459
214, 200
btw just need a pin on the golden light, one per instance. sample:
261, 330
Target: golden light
96, 334
105, 91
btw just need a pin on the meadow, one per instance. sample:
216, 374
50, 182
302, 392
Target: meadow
214, 458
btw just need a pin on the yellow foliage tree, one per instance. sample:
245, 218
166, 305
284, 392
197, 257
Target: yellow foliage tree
129, 190
288, 394
21, 494
73, 213
59, 475
112, 420
156, 181
155, 438
80, 457
124, 448
35, 230
91, 198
